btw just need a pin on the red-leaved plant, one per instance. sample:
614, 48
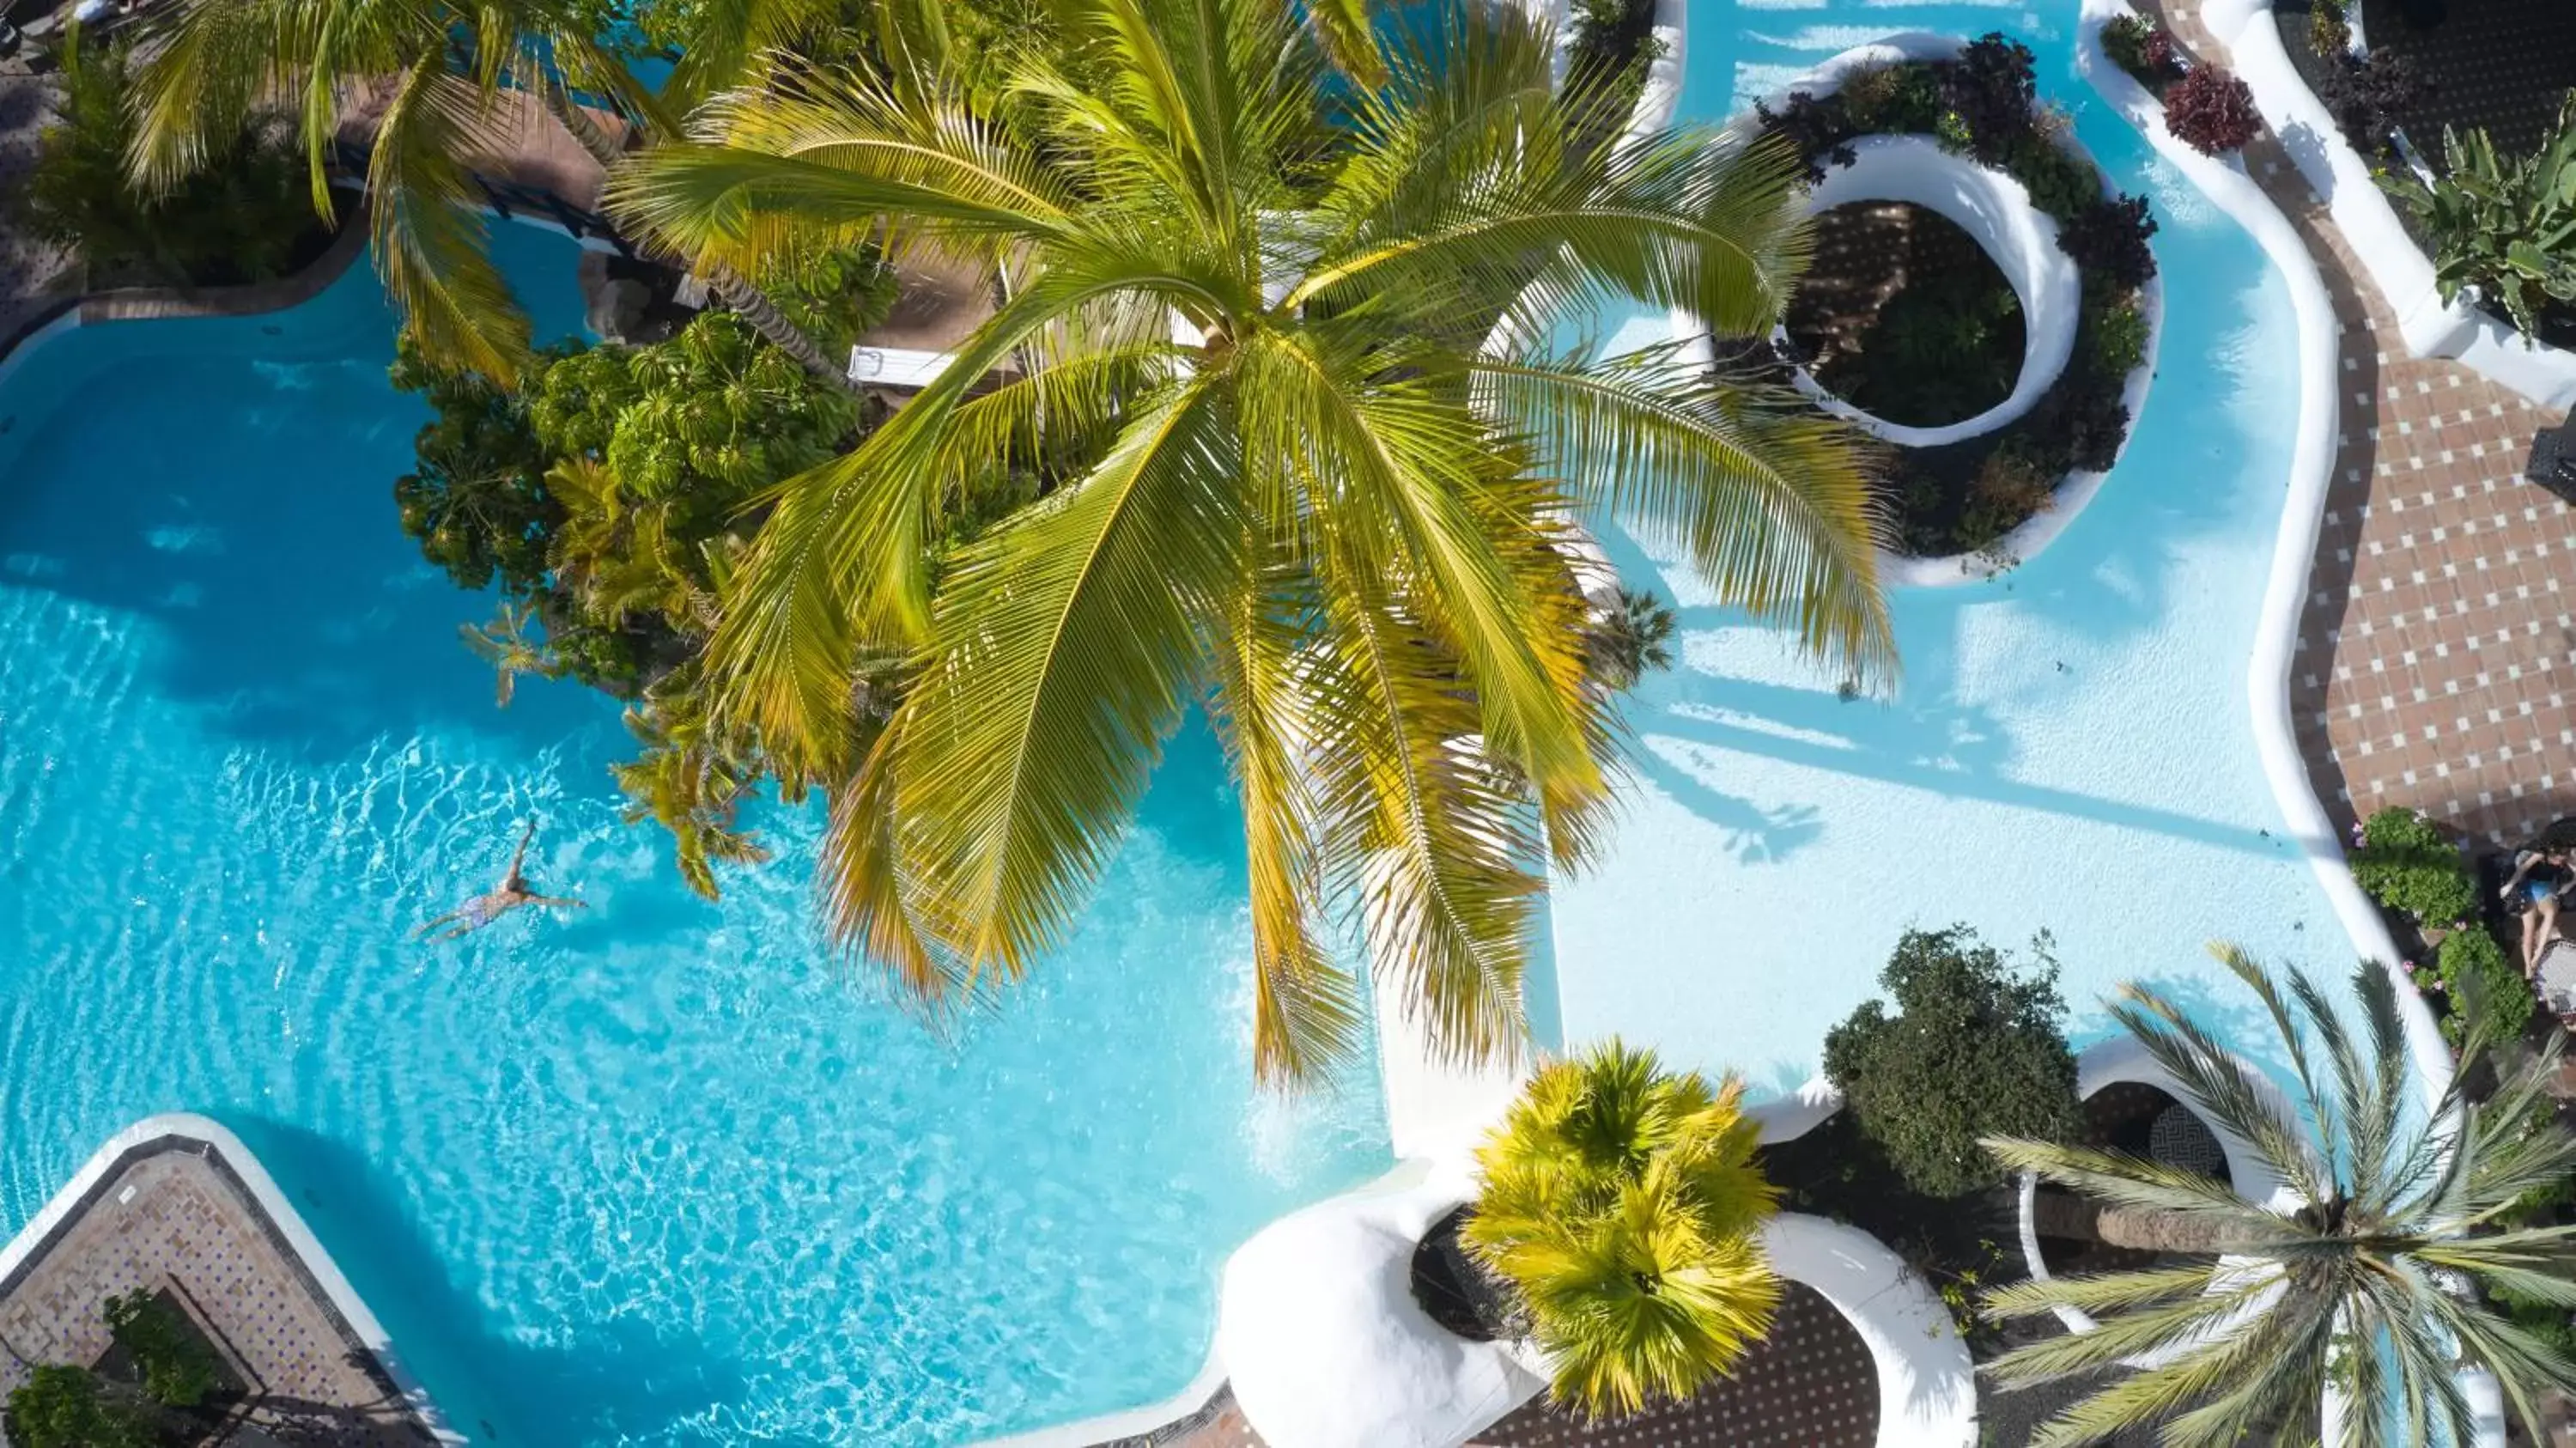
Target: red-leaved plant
2211, 111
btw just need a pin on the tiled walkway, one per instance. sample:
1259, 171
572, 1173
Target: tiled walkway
2436, 654
1810, 1384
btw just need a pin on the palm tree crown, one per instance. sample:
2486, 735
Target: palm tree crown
1317, 498
2367, 1285
1621, 1204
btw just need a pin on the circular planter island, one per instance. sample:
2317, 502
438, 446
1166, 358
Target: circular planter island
1955, 130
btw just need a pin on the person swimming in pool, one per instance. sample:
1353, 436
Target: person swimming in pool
483, 909
2540, 876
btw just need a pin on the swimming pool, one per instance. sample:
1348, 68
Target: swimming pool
2071, 748
660, 1172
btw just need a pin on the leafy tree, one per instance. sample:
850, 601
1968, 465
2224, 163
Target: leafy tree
179, 1369
1633, 639
477, 502
2505, 226
67, 1407
1621, 1206
235, 219
1322, 507
1975, 1048
2404, 863
2365, 1285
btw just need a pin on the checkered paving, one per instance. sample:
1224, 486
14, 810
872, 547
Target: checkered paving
2436, 650
173, 1221
1810, 1384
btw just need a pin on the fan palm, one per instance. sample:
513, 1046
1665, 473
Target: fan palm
1316, 502
2366, 1285
1621, 1205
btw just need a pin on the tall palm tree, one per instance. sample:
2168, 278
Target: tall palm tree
431, 74
2369, 1284
1621, 1205
1320, 502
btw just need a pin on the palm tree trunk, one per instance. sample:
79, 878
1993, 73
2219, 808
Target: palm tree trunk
2059, 1213
725, 284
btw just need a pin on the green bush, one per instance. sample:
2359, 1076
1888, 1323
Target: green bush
67, 1407
2114, 337
1976, 1048
2406, 865
2505, 226
236, 218
178, 1369
2476, 972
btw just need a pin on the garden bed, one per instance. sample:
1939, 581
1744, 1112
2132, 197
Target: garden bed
1964, 497
2497, 65
1905, 317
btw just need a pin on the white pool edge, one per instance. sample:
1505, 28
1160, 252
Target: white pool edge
264, 1193
2227, 186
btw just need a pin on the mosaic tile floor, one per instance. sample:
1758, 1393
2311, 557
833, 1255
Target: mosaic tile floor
2436, 652
173, 1220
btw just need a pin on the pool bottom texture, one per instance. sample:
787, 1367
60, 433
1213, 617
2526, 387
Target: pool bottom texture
657, 1171
2070, 749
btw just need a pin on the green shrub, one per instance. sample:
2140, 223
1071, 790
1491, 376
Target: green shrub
2406, 865
2060, 185
2143, 49
1976, 1048
2114, 339
2476, 973
235, 218
67, 1407
178, 1369
2505, 226
2329, 33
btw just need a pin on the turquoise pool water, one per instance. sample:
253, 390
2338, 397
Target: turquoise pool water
2070, 749
656, 1173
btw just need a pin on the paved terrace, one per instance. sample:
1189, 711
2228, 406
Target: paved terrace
2436, 654
171, 1212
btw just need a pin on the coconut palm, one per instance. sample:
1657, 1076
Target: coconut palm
2368, 1284
1316, 504
1621, 1205
431, 76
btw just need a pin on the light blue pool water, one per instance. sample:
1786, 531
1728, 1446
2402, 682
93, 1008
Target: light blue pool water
660, 1172
2071, 747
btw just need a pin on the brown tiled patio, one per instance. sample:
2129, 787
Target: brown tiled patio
2436, 653
172, 1217
1810, 1384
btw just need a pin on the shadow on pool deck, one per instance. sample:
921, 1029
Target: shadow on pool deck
605, 1382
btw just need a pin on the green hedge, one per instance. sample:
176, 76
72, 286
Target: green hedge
2472, 966
2406, 865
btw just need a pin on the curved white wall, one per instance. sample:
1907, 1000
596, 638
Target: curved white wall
1927, 1384
1995, 211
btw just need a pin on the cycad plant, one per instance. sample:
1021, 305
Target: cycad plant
2371, 1284
1621, 1205
1258, 295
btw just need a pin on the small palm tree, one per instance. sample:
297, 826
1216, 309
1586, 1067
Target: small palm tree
2369, 1285
1621, 1204
1632, 639
1318, 503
